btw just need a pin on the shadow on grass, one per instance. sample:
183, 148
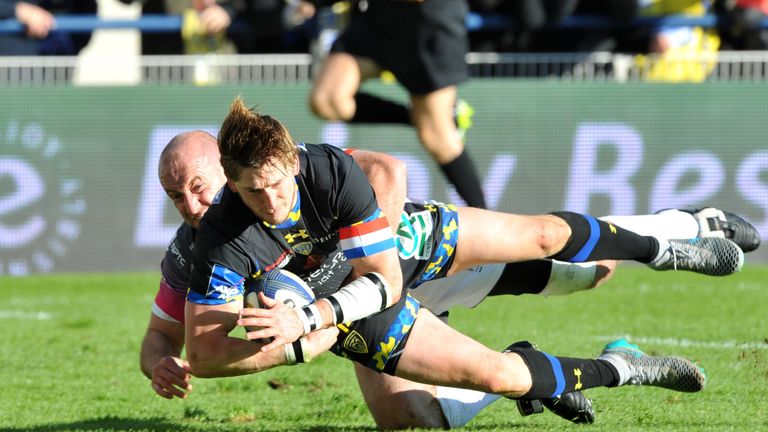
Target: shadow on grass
106, 423
110, 423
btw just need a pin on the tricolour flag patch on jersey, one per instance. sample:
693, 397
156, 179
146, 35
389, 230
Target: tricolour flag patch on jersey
366, 238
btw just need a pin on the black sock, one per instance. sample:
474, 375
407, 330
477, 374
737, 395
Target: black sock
373, 109
462, 175
553, 376
593, 239
526, 277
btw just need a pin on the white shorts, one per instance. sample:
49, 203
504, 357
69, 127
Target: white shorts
467, 288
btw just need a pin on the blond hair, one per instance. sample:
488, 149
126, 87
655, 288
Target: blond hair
248, 139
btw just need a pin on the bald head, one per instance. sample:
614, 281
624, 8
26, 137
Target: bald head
190, 173
197, 143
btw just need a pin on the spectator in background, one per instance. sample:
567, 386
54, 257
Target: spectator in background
529, 16
226, 27
275, 26
204, 27
678, 54
537, 25
40, 36
744, 20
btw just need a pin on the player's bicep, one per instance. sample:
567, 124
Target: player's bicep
207, 328
219, 319
213, 302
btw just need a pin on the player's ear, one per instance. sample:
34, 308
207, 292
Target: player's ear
231, 185
296, 165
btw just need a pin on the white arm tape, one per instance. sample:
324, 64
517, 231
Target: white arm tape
566, 278
297, 352
310, 317
361, 298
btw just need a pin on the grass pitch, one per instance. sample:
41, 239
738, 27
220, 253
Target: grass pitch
70, 350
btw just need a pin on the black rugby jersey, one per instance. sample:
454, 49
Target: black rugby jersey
177, 262
234, 246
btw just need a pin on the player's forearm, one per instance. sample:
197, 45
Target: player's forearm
232, 357
154, 347
368, 294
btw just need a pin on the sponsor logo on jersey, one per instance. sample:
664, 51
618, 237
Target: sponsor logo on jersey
304, 248
224, 285
292, 236
324, 238
176, 252
414, 235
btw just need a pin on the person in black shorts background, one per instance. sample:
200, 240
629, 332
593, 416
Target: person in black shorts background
423, 43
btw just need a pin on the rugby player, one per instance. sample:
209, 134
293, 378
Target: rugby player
292, 207
191, 173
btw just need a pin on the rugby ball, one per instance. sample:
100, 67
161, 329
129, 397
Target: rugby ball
282, 286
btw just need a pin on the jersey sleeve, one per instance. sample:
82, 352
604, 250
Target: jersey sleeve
219, 271
169, 303
216, 284
220, 264
175, 270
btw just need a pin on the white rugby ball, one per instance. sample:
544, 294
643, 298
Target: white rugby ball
282, 286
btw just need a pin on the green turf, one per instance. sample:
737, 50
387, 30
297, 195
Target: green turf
69, 359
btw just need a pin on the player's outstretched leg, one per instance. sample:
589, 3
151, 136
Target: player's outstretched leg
638, 368
718, 223
711, 256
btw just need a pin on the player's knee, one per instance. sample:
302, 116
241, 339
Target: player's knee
416, 411
552, 233
318, 103
328, 104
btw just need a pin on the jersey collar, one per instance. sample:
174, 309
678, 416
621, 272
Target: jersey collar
293, 216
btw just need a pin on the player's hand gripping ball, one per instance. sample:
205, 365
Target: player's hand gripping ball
282, 286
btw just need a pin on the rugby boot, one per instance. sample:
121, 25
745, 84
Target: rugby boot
573, 406
718, 223
710, 256
638, 368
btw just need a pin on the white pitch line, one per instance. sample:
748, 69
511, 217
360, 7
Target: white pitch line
689, 343
39, 316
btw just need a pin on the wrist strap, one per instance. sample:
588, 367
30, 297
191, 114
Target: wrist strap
310, 317
297, 352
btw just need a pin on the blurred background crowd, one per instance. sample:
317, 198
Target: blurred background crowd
289, 26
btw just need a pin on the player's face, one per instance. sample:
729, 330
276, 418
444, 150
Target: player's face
192, 184
270, 192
